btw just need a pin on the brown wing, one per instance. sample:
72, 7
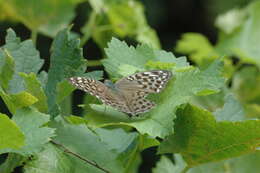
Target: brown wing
101, 91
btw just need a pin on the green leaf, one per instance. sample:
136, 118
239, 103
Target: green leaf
66, 61
79, 139
6, 69
159, 121
202, 53
230, 20
120, 54
10, 134
19, 100
246, 163
231, 111
243, 42
50, 160
31, 124
205, 140
33, 86
46, 16
245, 85
120, 21
26, 59
165, 165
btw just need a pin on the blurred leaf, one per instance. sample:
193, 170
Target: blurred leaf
13, 160
205, 140
230, 20
10, 134
231, 111
165, 165
6, 69
16, 101
66, 61
26, 59
115, 18
33, 86
243, 42
47, 16
79, 139
31, 124
203, 53
246, 84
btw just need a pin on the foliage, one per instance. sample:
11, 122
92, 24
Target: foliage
203, 122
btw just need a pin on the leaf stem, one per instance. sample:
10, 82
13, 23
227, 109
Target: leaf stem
34, 36
88, 28
66, 150
185, 169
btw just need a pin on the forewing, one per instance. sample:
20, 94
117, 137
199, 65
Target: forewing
101, 91
149, 82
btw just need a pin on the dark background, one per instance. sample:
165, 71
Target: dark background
170, 19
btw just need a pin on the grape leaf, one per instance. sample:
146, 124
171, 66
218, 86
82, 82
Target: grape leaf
66, 61
26, 59
206, 140
79, 139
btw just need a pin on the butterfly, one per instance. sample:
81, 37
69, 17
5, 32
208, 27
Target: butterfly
127, 94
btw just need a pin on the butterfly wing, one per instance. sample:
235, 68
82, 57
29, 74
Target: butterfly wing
137, 86
101, 91
150, 81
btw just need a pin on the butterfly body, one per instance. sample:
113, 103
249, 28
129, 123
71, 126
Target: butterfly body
127, 94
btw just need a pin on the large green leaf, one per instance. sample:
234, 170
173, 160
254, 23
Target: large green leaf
81, 140
200, 139
26, 59
66, 61
47, 16
10, 134
31, 124
186, 82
